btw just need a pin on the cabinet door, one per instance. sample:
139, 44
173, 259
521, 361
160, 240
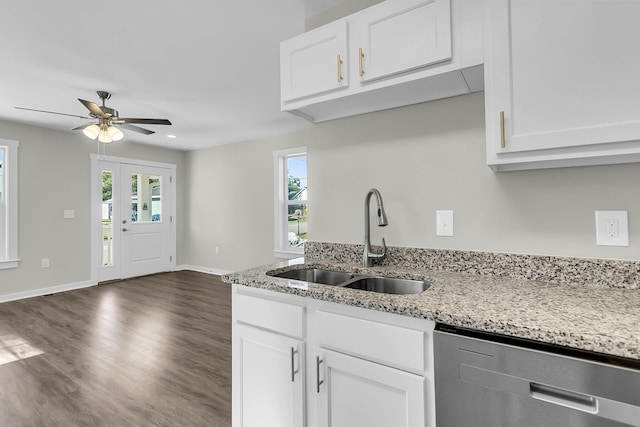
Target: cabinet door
563, 72
402, 35
314, 62
359, 393
268, 383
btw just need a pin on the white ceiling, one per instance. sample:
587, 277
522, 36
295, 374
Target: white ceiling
210, 67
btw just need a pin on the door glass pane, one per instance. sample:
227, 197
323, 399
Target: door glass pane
146, 198
107, 222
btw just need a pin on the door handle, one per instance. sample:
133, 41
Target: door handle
294, 371
503, 142
125, 229
318, 381
562, 397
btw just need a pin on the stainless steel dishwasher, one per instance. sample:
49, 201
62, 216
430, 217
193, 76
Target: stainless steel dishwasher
485, 380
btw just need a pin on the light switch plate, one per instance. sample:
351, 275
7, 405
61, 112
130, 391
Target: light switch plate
444, 223
612, 228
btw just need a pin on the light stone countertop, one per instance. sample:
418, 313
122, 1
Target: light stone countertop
594, 318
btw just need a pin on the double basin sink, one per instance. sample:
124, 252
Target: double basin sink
387, 285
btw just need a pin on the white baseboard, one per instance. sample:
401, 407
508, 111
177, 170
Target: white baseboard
46, 291
79, 285
207, 270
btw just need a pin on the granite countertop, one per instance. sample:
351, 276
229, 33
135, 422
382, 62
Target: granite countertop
595, 318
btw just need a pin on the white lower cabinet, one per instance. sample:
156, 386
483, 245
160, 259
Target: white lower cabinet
272, 379
358, 393
268, 359
303, 362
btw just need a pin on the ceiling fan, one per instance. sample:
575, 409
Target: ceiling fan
106, 130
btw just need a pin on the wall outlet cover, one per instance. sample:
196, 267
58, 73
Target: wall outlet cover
444, 223
612, 228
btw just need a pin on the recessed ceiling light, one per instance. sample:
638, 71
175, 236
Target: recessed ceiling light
171, 136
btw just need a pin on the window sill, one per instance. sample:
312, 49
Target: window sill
288, 254
9, 263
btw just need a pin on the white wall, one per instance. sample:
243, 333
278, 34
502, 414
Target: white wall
432, 156
345, 8
230, 203
422, 158
54, 175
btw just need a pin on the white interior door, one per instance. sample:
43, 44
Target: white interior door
137, 235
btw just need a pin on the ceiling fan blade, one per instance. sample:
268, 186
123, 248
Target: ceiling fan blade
82, 127
134, 128
53, 112
143, 121
93, 107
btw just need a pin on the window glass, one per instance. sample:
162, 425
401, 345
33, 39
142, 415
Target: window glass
3, 209
1, 174
290, 202
8, 203
297, 201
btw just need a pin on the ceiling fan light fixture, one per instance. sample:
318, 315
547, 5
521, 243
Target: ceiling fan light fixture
91, 131
115, 133
104, 136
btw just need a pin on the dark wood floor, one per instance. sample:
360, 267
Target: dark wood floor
149, 351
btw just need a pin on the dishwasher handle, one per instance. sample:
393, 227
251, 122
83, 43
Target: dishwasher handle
562, 397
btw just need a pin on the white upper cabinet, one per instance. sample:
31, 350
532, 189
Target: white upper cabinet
402, 36
314, 62
395, 53
561, 83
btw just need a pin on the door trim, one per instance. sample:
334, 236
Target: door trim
96, 206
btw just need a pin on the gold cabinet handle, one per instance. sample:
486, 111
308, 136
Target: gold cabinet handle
318, 382
503, 143
294, 371
339, 69
361, 56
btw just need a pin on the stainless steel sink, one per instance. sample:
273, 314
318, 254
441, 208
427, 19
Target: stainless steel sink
316, 275
388, 285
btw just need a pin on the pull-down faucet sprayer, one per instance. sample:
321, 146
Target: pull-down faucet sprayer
368, 255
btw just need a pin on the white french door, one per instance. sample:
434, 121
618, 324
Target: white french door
136, 218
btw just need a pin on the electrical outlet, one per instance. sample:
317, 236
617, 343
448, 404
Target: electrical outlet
45, 263
444, 223
217, 250
612, 228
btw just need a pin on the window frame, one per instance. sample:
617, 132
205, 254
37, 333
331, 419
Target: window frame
281, 199
10, 183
